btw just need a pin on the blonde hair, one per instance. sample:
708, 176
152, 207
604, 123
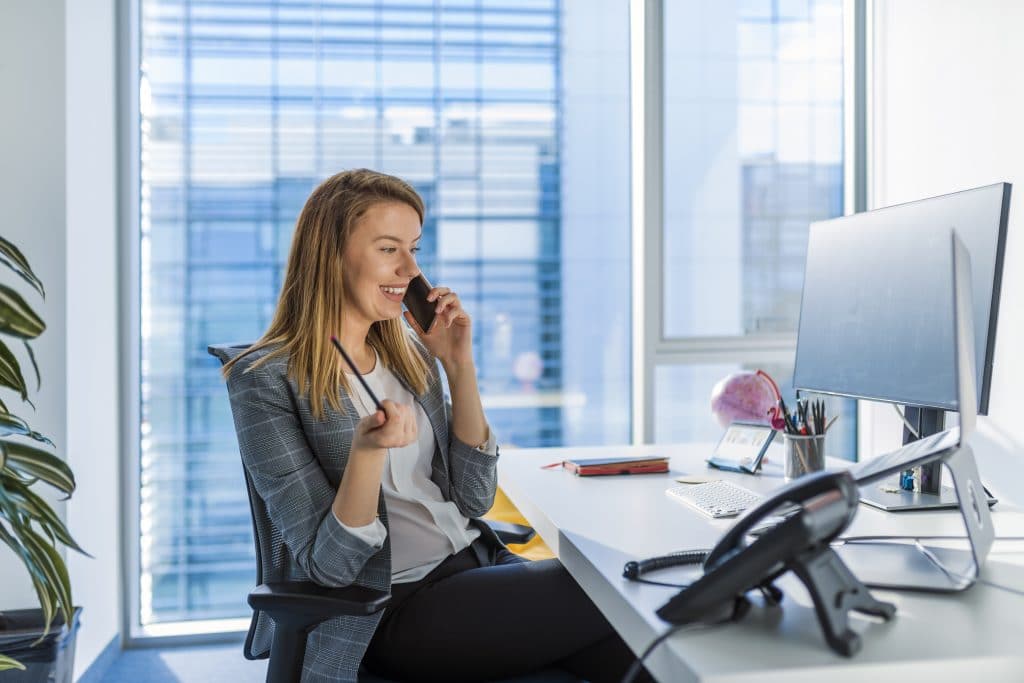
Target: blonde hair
312, 297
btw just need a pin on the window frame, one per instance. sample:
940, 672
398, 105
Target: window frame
652, 349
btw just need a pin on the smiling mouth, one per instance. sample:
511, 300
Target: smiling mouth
396, 291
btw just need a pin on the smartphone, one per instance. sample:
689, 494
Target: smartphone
416, 301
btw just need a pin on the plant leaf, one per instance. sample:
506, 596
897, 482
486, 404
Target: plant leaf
12, 257
10, 372
49, 577
12, 424
16, 317
52, 566
39, 463
17, 476
39, 509
35, 365
14, 496
8, 663
44, 594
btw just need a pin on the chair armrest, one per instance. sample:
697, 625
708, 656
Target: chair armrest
315, 602
296, 608
507, 532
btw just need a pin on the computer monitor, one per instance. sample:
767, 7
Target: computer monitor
873, 323
874, 320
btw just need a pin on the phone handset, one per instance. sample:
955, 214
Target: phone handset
798, 492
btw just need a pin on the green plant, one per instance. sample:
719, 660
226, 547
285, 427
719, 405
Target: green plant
28, 525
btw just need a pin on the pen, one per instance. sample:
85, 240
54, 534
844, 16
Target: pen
337, 345
790, 425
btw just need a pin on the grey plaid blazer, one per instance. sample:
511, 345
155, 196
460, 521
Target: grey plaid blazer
296, 462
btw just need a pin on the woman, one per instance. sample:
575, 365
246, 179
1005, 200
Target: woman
391, 499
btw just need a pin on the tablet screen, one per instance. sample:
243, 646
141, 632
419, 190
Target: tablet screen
744, 442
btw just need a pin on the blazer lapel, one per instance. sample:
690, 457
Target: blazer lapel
434, 408
345, 421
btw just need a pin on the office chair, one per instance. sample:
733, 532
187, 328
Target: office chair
298, 607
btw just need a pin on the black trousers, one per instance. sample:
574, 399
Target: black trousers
485, 614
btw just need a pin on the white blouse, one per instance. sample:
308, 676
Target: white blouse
425, 528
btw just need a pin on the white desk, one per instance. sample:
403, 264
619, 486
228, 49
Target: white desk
597, 524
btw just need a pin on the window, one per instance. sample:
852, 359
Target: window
753, 153
511, 119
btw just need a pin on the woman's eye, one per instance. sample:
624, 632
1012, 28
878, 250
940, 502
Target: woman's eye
415, 250
388, 250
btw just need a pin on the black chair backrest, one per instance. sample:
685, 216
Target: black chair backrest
260, 518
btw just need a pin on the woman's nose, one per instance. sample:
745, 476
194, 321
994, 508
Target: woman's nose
409, 268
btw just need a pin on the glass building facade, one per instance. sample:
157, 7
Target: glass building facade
512, 120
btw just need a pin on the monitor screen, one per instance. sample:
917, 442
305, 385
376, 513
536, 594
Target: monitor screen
875, 320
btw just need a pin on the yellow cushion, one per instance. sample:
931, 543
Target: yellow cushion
504, 511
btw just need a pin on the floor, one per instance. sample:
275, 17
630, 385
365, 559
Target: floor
197, 664
222, 664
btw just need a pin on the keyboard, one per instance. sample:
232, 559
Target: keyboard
715, 498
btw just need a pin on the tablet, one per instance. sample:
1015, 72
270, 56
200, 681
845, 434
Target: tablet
742, 447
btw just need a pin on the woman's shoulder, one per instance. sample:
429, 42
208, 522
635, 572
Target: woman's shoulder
264, 365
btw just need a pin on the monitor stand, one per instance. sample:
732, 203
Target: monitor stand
924, 565
919, 488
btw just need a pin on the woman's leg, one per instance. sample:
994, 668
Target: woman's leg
473, 623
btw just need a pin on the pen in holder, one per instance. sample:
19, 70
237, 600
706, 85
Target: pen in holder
804, 453
805, 430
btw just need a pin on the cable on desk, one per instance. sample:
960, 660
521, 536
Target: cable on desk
652, 582
635, 569
999, 586
922, 537
634, 668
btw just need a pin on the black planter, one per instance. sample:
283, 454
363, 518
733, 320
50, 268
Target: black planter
52, 660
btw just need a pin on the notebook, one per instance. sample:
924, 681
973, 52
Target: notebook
597, 466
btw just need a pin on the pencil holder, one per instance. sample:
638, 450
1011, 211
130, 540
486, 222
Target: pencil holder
804, 454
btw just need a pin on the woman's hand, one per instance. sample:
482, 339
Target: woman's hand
393, 428
450, 337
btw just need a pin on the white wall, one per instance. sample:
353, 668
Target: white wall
93, 443
57, 190
32, 176
948, 114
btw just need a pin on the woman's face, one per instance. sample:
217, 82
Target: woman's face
379, 261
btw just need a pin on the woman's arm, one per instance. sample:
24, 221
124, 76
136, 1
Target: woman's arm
468, 422
355, 504
450, 340
291, 482
473, 473
472, 463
